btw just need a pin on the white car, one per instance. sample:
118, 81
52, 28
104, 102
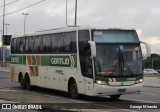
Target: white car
158, 70
149, 71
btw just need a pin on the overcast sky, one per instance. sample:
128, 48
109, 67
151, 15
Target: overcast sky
142, 15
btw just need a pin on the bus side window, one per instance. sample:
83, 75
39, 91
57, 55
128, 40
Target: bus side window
69, 42
57, 43
40, 48
85, 53
26, 45
17, 46
20, 45
12, 46
30, 44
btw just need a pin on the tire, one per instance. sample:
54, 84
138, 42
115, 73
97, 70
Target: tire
73, 89
115, 97
22, 82
27, 82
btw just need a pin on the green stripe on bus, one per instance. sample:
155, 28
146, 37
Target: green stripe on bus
16, 60
33, 60
36, 70
59, 61
103, 78
24, 60
45, 60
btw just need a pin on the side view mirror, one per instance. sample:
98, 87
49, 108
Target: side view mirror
93, 48
148, 49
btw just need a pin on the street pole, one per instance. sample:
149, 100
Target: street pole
4, 47
66, 10
1, 43
25, 14
6, 27
75, 23
3, 29
152, 59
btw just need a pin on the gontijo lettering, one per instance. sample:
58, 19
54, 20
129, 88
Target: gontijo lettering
60, 61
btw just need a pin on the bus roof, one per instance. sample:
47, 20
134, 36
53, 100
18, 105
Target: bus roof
68, 29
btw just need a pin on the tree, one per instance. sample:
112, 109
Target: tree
155, 64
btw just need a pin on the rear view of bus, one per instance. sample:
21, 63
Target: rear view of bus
117, 59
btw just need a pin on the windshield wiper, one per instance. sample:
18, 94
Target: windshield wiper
122, 63
121, 60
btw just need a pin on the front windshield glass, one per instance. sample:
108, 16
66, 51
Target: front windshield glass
119, 55
118, 60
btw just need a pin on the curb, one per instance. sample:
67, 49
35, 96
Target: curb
4, 69
151, 85
6, 101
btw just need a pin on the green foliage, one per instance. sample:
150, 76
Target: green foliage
156, 61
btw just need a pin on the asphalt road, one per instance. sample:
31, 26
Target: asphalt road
5, 81
11, 91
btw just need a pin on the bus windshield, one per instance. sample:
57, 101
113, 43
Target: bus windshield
118, 59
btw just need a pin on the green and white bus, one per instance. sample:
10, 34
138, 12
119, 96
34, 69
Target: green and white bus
88, 60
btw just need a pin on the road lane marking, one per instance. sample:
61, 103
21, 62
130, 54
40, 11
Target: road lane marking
6, 101
138, 100
8, 90
77, 101
81, 101
66, 99
150, 94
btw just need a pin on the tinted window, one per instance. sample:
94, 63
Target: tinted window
21, 45
57, 43
70, 42
12, 46
17, 45
85, 54
31, 45
52, 43
46, 43
38, 44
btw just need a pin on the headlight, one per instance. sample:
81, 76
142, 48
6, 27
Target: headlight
139, 81
101, 82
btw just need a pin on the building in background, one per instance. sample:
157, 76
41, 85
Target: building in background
7, 54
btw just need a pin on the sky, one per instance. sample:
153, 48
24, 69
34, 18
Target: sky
142, 15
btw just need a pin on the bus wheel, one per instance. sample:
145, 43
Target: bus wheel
28, 85
73, 89
114, 97
22, 82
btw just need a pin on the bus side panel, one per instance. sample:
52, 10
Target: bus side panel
40, 77
81, 83
13, 73
76, 74
48, 77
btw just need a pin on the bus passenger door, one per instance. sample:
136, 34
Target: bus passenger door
87, 70
89, 77
85, 60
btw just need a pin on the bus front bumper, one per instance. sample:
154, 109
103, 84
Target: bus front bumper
105, 90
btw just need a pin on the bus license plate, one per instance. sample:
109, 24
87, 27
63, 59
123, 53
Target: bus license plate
121, 90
